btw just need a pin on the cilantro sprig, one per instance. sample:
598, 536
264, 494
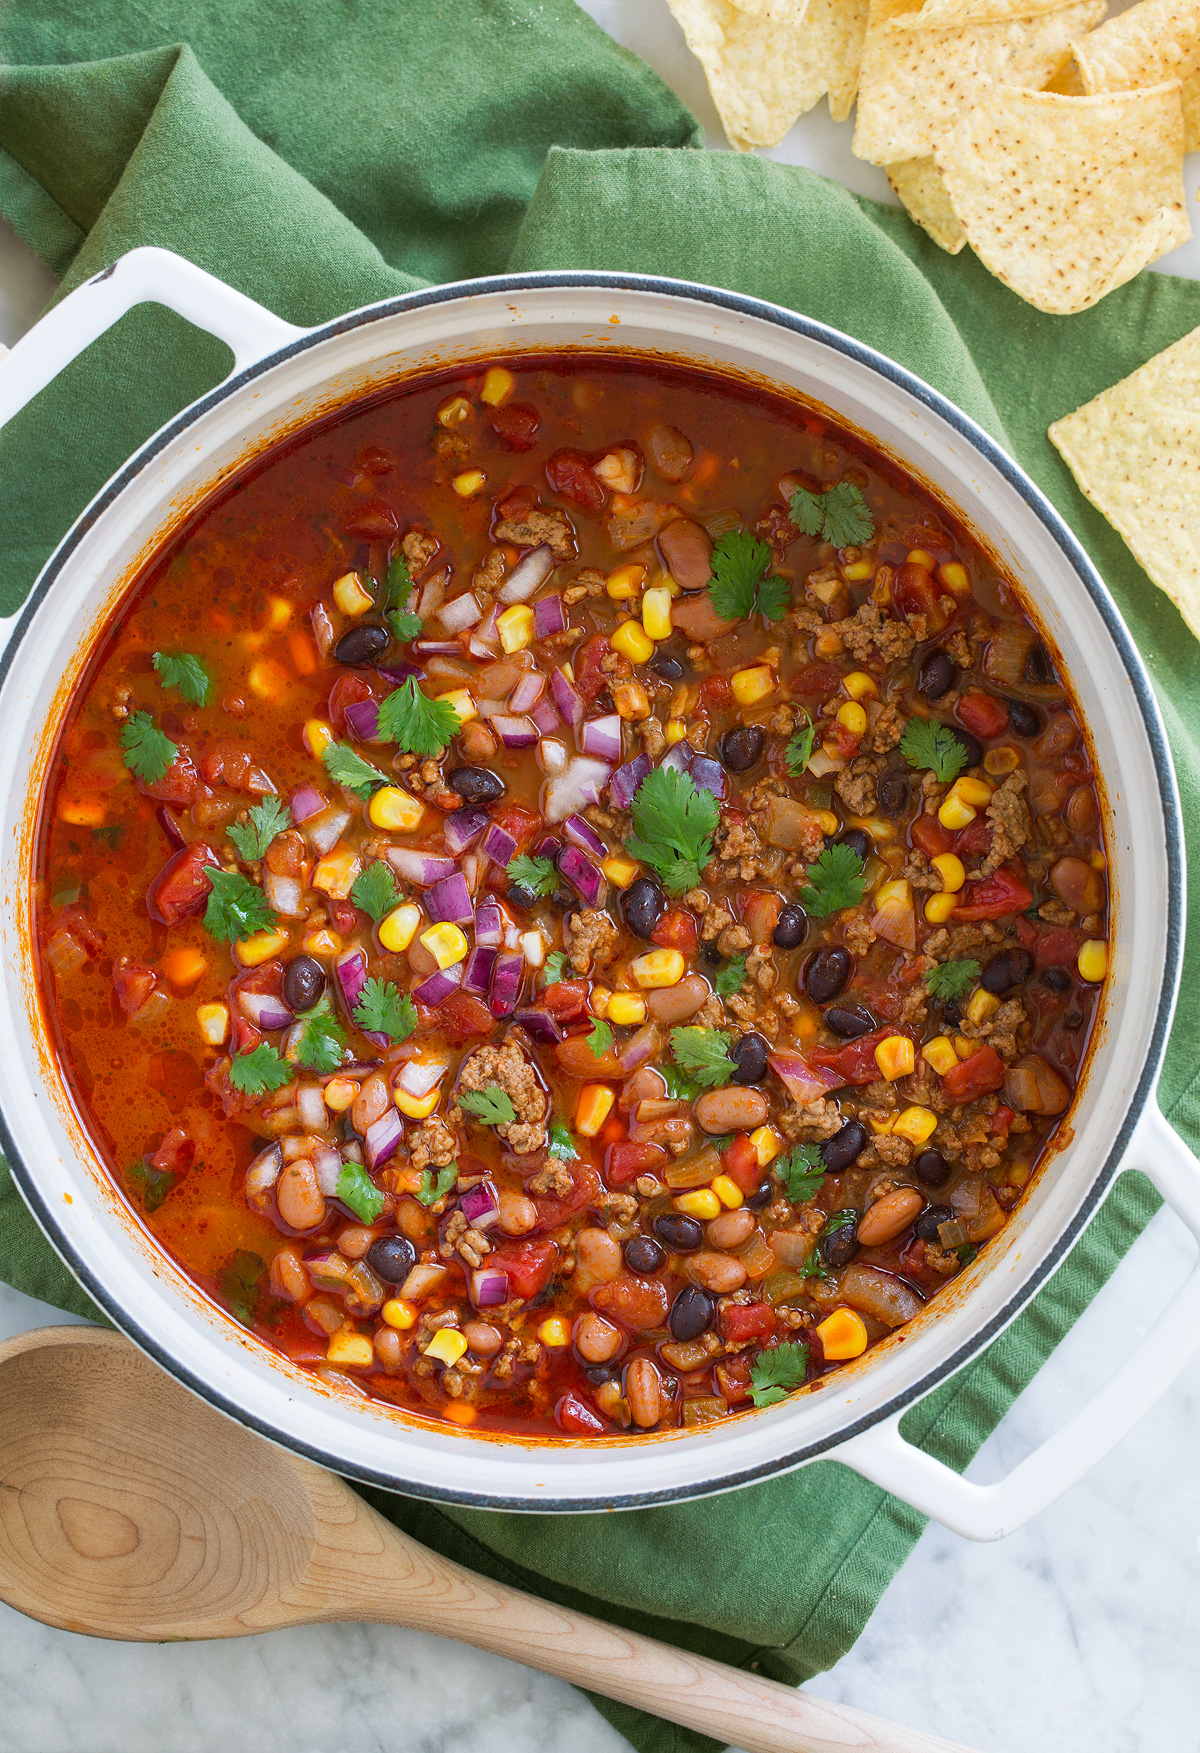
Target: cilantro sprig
777, 1371
554, 967
952, 979
600, 1040
835, 880
731, 979
432, 1189
399, 588
491, 1105
150, 1186
703, 1055
257, 1072
148, 751
241, 1283
382, 1009
561, 1144
739, 582
535, 875
673, 825
321, 1043
414, 722
186, 673
802, 1172
798, 753
926, 743
347, 769
237, 908
374, 889
267, 819
839, 514
356, 1189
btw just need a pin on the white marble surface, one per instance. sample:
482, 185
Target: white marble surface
1077, 1635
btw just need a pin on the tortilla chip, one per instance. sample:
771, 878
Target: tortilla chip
1135, 452
790, 12
915, 84
763, 75
1156, 40
922, 191
946, 14
1064, 198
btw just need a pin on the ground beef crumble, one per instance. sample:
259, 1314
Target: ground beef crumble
510, 1071
592, 940
1012, 828
432, 1145
536, 527
870, 630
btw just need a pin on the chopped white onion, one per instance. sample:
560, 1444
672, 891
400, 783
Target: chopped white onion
533, 948
310, 1105
551, 755
284, 893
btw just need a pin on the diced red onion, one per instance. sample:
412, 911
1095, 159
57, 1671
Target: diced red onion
433, 595
284, 893
582, 875
489, 925
546, 846
449, 901
602, 737
382, 1138
485, 633
434, 648
804, 1081
438, 987
640, 1047
539, 1025
626, 780
580, 782
460, 613
398, 673
422, 1279
479, 1205
498, 844
708, 775
170, 826
679, 756
328, 1165
506, 983
463, 827
489, 1288
515, 733
581, 833
417, 1077
306, 802
422, 868
322, 628
325, 830
530, 571
549, 616
310, 1105
527, 692
351, 972
261, 1177
567, 697
477, 970
545, 715
264, 1011
362, 719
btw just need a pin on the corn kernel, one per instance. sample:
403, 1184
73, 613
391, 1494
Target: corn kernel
600, 1000
875, 826
399, 1314
826, 589
251, 952
921, 557
416, 1107
625, 582
752, 685
82, 812
895, 1056
554, 1332
351, 596
881, 1128
445, 943
657, 968
859, 685
1097, 860
317, 736
982, 1005
999, 763
398, 929
630, 698
627, 1008
619, 869
976, 792
827, 821
938, 908
767, 1144
955, 578
852, 717
335, 874
394, 808
843, 1335
915, 1124
702, 1203
1092, 961
469, 483
213, 1023
267, 679
965, 1048
592, 1108
951, 870
675, 730
632, 641
447, 1345
498, 385
515, 627
727, 1191
349, 1347
463, 703
897, 892
340, 1093
454, 412
954, 813
858, 571
183, 967
279, 613
827, 643
656, 613
322, 943
940, 1054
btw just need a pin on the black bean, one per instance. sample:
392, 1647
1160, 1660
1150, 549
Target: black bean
932, 1168
838, 1246
845, 1147
1038, 668
392, 1258
598, 1373
851, 1022
476, 785
1057, 979
891, 789
711, 954
643, 1254
303, 983
1025, 721
749, 1054
926, 1225
362, 644
741, 747
692, 1313
826, 972
791, 928
857, 841
1012, 967
936, 675
521, 897
1073, 1018
682, 1235
669, 668
642, 906
971, 745
761, 1196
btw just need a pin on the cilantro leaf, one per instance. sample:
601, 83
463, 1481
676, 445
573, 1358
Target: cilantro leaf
926, 743
679, 1088
148, 750
703, 1054
774, 596
739, 584
731, 979
430, 1190
673, 827
493, 1105
840, 514
183, 671
835, 880
414, 722
241, 1282
405, 625
348, 769
374, 889
383, 1009
399, 584
777, 1371
803, 1173
806, 511
255, 1073
561, 1143
252, 838
554, 967
798, 753
356, 1189
321, 1043
112, 834
537, 875
952, 979
150, 1185
600, 1040
846, 1219
237, 908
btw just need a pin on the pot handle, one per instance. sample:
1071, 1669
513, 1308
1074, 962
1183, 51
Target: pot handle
989, 1512
143, 276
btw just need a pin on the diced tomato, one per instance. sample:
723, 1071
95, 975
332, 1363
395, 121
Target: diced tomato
1002, 1120
374, 518
914, 593
625, 1162
739, 1160
638, 1303
733, 1378
518, 822
233, 1101
1052, 946
245, 1036
565, 1000
554, 1208
676, 930
179, 784
982, 714
463, 1016
1002, 893
979, 1075
516, 425
716, 691
344, 916
588, 667
975, 837
176, 1153
760, 910
856, 1060
570, 474
348, 690
577, 1418
517, 503
816, 681
843, 740
134, 985
929, 837
181, 886
742, 1321
528, 1265
576, 1058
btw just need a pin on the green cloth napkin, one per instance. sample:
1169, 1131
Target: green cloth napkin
319, 158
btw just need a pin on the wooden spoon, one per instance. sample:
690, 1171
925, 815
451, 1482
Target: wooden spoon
130, 1509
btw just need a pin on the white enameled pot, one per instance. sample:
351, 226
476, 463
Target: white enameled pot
284, 377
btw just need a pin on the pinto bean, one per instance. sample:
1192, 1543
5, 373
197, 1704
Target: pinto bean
732, 1109
298, 1195
1033, 1086
670, 452
1081, 812
518, 1215
371, 1103
696, 619
731, 1229
720, 1273
643, 1390
288, 1277
355, 1240
599, 1257
637, 1303
686, 551
389, 1349
1060, 734
483, 1339
889, 1215
596, 1339
1077, 885
671, 1004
